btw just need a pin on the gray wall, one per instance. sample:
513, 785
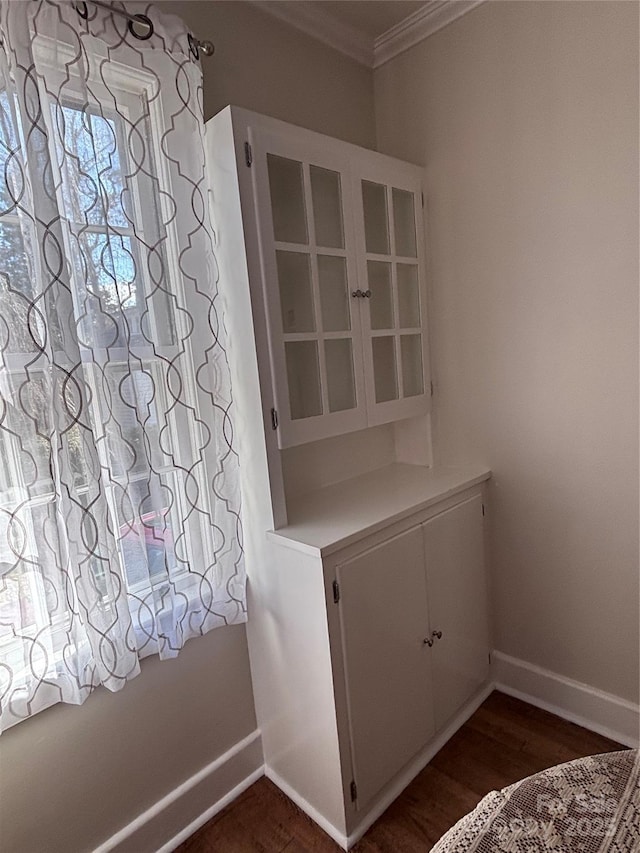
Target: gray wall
265, 65
526, 118
71, 777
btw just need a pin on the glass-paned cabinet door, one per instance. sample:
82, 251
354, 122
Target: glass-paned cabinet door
308, 244
389, 230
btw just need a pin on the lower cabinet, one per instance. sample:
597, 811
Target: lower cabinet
457, 596
370, 644
413, 639
385, 631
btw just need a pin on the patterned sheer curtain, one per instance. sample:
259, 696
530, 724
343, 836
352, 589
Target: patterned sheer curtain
119, 489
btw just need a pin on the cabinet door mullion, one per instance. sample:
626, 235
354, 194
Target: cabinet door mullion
394, 292
315, 287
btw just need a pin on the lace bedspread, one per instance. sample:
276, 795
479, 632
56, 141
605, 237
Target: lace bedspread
591, 805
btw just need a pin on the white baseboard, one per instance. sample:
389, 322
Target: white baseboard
574, 701
212, 811
175, 817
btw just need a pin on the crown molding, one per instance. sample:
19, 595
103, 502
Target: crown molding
322, 26
433, 16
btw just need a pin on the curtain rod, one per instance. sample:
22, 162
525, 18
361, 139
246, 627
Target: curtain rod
195, 44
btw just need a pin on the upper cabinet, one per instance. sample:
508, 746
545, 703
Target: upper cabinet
390, 258
308, 251
340, 241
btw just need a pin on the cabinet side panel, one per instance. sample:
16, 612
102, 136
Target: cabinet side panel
260, 471
454, 553
287, 627
291, 665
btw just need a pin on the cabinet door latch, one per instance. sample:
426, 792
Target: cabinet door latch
336, 592
274, 419
353, 788
248, 155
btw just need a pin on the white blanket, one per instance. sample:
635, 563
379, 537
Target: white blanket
591, 805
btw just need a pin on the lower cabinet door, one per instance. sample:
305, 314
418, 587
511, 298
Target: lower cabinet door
384, 621
454, 553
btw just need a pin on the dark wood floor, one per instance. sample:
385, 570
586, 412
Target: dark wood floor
505, 740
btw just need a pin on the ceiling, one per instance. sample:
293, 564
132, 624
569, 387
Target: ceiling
369, 31
370, 17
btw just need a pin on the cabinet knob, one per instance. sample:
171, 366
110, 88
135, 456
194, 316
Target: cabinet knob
427, 642
437, 635
367, 294
357, 293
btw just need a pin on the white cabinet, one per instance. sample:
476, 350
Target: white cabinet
414, 639
341, 266
308, 250
454, 556
390, 258
384, 624
399, 638
368, 623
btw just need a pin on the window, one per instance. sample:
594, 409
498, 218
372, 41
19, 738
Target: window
119, 502
119, 314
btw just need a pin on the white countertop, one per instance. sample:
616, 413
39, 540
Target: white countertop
332, 518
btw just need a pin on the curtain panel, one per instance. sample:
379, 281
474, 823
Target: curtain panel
119, 490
